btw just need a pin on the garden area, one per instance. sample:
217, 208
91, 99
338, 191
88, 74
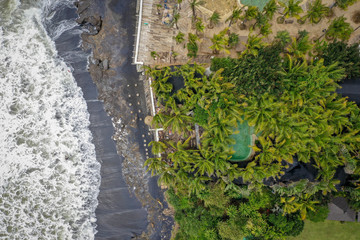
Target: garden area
285, 90
201, 29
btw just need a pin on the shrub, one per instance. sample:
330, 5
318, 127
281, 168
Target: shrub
290, 225
319, 214
200, 115
347, 57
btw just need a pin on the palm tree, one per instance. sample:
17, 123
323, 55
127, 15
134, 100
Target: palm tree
156, 165
233, 40
283, 37
192, 45
316, 11
235, 16
292, 9
214, 19
300, 47
193, 5
179, 3
265, 29
343, 4
253, 45
219, 42
261, 19
179, 38
175, 20
157, 147
199, 26
159, 120
160, 85
339, 29
249, 15
270, 9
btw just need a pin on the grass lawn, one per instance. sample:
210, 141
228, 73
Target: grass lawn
329, 230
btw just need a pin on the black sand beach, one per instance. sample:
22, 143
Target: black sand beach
131, 204
120, 214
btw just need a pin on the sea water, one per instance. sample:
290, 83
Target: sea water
49, 175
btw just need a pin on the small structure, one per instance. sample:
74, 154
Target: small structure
341, 211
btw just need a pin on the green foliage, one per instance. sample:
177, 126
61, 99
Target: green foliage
199, 26
154, 55
192, 45
339, 29
300, 47
319, 215
289, 225
353, 195
227, 64
214, 19
270, 9
347, 57
316, 11
293, 107
283, 37
200, 115
292, 8
233, 40
220, 41
234, 17
253, 75
179, 38
343, 4
261, 199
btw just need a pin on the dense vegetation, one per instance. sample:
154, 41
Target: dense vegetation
286, 90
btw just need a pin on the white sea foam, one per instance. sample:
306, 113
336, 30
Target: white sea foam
49, 176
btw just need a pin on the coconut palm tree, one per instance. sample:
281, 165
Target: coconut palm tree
291, 9
159, 120
199, 26
214, 19
261, 19
339, 29
250, 13
316, 11
157, 147
283, 37
299, 47
265, 29
233, 40
156, 165
179, 38
192, 45
160, 85
235, 16
175, 20
270, 9
253, 45
219, 42
179, 4
193, 5
343, 4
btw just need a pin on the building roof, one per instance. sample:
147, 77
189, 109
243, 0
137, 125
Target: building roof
340, 210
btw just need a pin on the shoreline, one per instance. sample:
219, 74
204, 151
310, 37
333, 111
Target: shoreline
121, 93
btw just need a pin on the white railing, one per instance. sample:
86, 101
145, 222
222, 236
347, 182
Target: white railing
138, 35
